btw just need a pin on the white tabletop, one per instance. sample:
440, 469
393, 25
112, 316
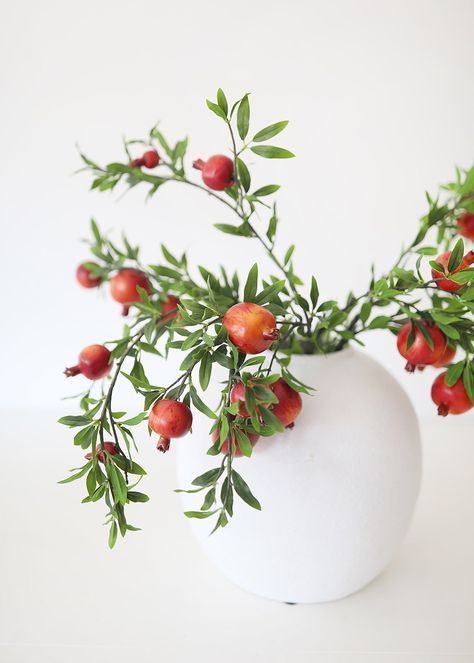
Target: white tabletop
66, 597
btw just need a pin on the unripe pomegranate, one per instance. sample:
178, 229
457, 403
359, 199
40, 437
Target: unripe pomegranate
123, 287
466, 225
217, 172
253, 438
170, 419
83, 275
420, 353
94, 363
445, 283
251, 328
109, 447
170, 306
446, 358
450, 400
289, 403
150, 159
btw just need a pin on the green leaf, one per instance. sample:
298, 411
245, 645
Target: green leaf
270, 131
128, 465
380, 322
468, 381
113, 534
208, 478
244, 492
463, 277
135, 420
209, 499
79, 474
269, 419
96, 231
243, 117
243, 230
314, 293
456, 256
250, 289
426, 334
266, 190
288, 254
205, 370
73, 421
272, 226
453, 373
135, 496
199, 514
91, 482
437, 266
272, 152
244, 174
216, 109
169, 256
86, 437
200, 405
270, 292
243, 441
222, 101
118, 483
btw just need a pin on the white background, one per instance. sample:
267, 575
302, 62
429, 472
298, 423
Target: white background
380, 101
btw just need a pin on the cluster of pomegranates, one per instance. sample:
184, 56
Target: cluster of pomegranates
217, 172
250, 327
449, 399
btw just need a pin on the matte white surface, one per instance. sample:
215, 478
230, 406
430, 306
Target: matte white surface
66, 598
379, 96
337, 492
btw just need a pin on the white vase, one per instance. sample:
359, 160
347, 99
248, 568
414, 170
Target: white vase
337, 492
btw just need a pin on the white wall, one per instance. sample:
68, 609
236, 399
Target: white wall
380, 99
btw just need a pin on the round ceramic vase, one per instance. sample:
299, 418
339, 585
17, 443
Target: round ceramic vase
337, 491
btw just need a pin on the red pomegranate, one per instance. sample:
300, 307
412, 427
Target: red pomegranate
169, 306
289, 403
253, 437
123, 287
466, 225
150, 159
94, 363
445, 283
109, 447
450, 400
446, 358
170, 419
83, 276
251, 328
420, 353
217, 172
